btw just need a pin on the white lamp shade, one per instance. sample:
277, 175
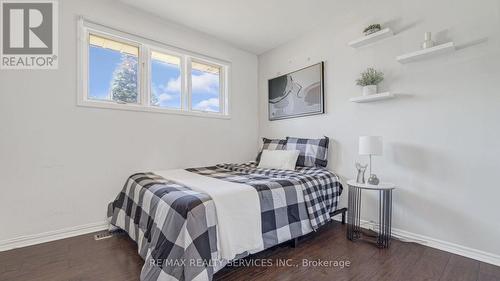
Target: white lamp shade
370, 145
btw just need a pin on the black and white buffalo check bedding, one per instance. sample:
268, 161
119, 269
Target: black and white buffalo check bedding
313, 152
271, 144
176, 228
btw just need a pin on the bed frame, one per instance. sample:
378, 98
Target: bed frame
295, 241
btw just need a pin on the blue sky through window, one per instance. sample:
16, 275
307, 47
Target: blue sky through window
165, 84
102, 64
205, 91
165, 80
107, 66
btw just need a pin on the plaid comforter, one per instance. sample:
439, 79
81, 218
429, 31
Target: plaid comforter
175, 227
291, 201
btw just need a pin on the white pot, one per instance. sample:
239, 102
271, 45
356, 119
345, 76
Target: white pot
369, 90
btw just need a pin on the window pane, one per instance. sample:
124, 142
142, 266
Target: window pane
165, 80
112, 70
205, 87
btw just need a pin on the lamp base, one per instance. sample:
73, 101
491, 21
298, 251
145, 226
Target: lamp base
373, 180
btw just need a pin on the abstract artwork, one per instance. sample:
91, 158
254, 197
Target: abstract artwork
299, 93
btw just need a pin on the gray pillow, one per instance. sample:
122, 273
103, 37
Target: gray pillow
271, 144
313, 152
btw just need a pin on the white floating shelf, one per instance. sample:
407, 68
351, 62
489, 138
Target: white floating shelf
374, 97
430, 52
379, 35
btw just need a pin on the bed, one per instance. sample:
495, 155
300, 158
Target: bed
188, 224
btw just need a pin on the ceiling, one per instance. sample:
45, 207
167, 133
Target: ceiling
253, 25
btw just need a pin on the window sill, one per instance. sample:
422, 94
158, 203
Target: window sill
136, 107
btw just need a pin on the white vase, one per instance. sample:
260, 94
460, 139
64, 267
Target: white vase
428, 43
369, 90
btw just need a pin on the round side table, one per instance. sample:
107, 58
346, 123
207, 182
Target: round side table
354, 231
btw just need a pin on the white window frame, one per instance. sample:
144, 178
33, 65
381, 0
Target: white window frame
146, 46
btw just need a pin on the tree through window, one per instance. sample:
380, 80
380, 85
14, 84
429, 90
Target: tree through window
112, 70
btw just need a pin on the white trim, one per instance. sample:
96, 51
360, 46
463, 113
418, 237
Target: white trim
154, 109
48, 236
82, 58
448, 246
188, 84
143, 73
407, 236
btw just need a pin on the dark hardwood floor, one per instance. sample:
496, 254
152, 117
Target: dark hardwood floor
81, 258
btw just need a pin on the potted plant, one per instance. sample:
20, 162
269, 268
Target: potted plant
369, 80
372, 29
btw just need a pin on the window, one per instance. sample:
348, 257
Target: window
166, 80
123, 71
205, 87
112, 70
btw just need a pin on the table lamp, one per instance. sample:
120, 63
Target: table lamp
371, 145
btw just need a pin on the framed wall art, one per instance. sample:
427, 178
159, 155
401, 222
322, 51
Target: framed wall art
296, 94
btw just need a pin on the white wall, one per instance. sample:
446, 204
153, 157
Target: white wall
61, 164
441, 136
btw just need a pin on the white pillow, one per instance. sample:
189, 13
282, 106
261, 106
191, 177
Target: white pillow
279, 159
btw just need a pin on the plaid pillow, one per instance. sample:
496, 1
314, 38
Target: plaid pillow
271, 144
313, 152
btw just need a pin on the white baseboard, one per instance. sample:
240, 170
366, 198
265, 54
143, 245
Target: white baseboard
34, 239
438, 244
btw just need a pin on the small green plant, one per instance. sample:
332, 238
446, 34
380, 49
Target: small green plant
370, 77
372, 28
